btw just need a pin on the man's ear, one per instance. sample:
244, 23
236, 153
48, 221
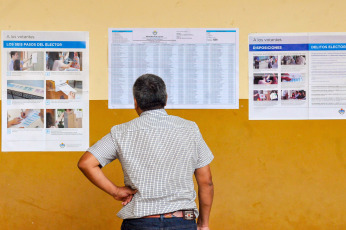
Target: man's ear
136, 105
138, 110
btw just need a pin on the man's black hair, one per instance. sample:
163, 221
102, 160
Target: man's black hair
149, 91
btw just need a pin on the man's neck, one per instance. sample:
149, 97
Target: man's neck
139, 111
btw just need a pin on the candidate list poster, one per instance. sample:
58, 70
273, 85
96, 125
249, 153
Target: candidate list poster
297, 76
45, 91
199, 66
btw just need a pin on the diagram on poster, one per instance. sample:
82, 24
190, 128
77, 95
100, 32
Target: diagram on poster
45, 91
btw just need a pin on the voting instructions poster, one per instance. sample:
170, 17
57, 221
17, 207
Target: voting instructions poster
297, 76
45, 91
199, 66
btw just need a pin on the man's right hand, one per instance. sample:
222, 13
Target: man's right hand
89, 165
124, 194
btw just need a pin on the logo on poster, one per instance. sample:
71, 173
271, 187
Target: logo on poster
154, 32
342, 111
62, 145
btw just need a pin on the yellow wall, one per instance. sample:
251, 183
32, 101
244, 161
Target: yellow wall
267, 174
250, 16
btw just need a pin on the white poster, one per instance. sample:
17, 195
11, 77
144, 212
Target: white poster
45, 91
297, 76
199, 66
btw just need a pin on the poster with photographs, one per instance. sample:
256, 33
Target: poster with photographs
45, 91
297, 76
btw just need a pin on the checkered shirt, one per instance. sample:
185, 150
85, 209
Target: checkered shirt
159, 154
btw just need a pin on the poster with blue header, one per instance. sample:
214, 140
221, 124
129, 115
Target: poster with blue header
297, 76
45, 91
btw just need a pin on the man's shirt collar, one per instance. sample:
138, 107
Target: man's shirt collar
154, 112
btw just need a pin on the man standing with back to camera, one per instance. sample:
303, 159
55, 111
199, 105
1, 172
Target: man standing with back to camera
159, 154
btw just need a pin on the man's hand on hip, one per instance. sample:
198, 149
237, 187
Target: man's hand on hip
89, 165
124, 194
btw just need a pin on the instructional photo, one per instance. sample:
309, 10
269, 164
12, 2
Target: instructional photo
64, 118
293, 60
25, 89
292, 77
25, 61
265, 79
61, 89
265, 95
25, 118
64, 61
293, 95
265, 62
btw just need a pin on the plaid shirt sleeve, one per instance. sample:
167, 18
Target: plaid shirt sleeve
204, 155
104, 150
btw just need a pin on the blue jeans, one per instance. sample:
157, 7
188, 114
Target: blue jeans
174, 223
